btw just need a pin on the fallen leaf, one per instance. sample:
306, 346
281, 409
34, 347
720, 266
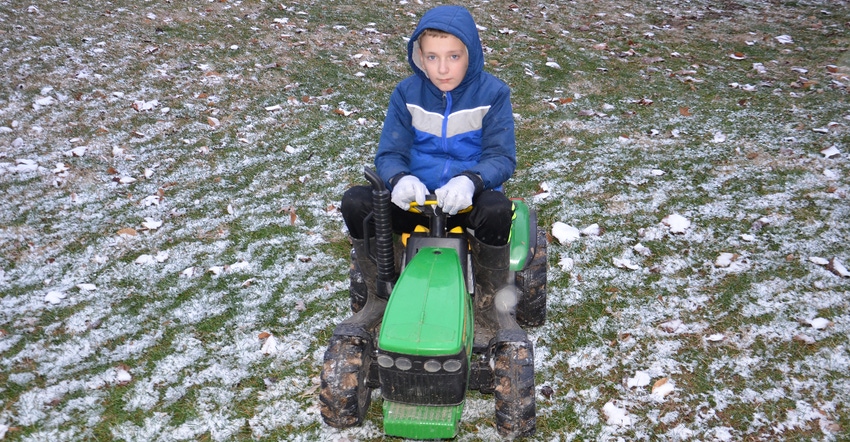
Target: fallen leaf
123, 376
819, 261
641, 249
625, 264
344, 113
671, 326
820, 323
785, 39
144, 106
830, 152
565, 233
76, 152
685, 111
716, 337
145, 259
592, 230
805, 339
662, 387
54, 297
151, 224
127, 231
152, 200
837, 267
270, 345
725, 259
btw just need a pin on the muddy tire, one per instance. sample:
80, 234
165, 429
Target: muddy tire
513, 372
345, 395
531, 285
357, 291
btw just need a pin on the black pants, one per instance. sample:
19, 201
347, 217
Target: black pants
490, 217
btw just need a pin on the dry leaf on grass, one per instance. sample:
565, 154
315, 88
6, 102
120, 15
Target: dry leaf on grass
662, 387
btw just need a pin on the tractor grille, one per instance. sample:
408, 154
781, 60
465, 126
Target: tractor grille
423, 380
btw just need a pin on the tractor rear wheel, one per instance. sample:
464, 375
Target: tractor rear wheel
513, 370
345, 395
531, 286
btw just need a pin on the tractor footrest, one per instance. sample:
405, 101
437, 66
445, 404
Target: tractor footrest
421, 421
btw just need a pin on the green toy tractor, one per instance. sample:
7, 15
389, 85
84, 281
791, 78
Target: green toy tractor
414, 336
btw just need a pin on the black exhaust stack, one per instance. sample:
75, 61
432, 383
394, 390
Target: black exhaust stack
383, 255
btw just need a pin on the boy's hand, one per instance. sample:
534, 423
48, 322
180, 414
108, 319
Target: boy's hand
408, 189
456, 195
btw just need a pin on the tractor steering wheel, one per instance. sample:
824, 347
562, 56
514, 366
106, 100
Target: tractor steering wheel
430, 208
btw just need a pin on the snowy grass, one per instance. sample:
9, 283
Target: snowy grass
238, 126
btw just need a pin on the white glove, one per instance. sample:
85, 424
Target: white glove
407, 190
456, 195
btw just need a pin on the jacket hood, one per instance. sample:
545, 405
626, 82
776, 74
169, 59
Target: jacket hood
455, 20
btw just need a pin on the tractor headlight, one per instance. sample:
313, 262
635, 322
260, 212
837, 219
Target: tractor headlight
432, 366
385, 361
403, 364
452, 365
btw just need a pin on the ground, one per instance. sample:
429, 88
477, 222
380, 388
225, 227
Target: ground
173, 260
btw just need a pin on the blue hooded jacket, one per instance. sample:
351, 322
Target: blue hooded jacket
437, 136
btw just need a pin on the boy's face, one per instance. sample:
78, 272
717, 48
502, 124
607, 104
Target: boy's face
444, 59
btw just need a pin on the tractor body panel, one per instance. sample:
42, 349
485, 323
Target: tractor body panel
427, 309
424, 347
521, 237
421, 421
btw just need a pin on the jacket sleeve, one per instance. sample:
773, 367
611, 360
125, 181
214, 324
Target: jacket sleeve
498, 142
397, 135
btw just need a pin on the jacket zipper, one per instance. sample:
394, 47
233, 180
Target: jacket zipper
447, 97
444, 140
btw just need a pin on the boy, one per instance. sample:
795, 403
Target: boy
449, 130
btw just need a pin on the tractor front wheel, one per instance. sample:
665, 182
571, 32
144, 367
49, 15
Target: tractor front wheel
513, 370
345, 395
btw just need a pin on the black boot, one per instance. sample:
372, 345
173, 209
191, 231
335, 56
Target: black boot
495, 295
371, 313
